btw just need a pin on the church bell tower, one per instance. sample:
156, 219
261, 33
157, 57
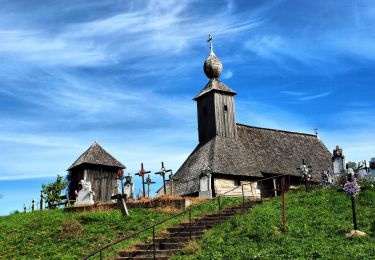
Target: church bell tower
215, 103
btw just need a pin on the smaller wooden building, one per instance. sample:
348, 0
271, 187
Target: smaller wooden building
98, 167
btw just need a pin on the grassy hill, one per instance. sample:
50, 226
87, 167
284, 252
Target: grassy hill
54, 234
317, 224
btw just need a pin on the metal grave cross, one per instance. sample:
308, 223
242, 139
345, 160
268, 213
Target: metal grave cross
142, 173
148, 182
162, 173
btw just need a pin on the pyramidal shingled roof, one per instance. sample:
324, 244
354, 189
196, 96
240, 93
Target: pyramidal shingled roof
98, 156
215, 84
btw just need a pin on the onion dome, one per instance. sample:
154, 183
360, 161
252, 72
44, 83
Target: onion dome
212, 67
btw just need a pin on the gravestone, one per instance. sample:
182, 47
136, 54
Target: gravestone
362, 169
338, 161
205, 190
85, 194
129, 187
372, 167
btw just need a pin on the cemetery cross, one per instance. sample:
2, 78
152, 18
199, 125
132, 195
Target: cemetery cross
142, 173
162, 173
149, 182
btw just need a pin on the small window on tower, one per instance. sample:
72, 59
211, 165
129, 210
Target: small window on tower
225, 108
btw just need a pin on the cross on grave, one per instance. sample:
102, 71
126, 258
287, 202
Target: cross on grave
162, 173
170, 181
305, 173
121, 202
148, 182
142, 173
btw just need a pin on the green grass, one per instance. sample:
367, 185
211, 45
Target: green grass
55, 234
317, 224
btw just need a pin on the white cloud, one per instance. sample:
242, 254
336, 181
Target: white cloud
321, 95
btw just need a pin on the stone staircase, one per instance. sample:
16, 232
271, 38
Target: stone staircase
178, 237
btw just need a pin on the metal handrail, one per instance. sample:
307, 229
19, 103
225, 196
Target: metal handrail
136, 233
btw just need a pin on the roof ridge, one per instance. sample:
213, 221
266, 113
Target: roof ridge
276, 130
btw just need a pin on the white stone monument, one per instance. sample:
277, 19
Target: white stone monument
338, 161
205, 190
85, 196
372, 167
129, 187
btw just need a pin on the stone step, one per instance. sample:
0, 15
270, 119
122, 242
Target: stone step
143, 258
186, 234
208, 224
178, 237
175, 239
148, 253
187, 229
161, 246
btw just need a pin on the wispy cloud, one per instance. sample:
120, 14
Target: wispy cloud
307, 98
293, 93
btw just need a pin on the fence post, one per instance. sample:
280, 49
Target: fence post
153, 240
190, 223
218, 199
243, 198
33, 204
41, 201
101, 257
261, 194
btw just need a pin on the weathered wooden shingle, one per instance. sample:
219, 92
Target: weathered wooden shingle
255, 152
96, 155
215, 85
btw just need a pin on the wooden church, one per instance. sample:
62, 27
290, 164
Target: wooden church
98, 167
236, 154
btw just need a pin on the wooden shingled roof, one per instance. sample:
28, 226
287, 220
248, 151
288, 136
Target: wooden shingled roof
255, 152
96, 155
215, 85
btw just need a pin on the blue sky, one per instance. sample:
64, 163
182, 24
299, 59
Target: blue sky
124, 73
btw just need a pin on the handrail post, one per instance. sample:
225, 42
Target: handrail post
218, 199
243, 198
153, 240
190, 223
101, 255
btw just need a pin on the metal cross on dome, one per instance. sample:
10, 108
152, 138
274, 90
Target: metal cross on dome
210, 40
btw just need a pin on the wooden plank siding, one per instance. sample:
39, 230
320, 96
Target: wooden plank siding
103, 181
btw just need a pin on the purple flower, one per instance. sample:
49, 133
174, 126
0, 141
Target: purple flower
352, 188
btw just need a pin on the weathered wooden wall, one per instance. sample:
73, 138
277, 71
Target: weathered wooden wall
216, 116
225, 118
103, 181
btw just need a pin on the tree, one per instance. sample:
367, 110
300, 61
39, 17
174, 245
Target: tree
52, 191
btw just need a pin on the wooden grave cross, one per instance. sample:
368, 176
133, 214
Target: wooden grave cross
142, 173
148, 182
162, 173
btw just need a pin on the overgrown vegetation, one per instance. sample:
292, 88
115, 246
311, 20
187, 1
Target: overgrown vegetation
54, 234
317, 224
52, 191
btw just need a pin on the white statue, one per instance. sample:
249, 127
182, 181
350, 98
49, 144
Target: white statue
85, 195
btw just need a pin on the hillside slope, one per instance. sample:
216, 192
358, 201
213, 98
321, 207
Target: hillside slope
317, 223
